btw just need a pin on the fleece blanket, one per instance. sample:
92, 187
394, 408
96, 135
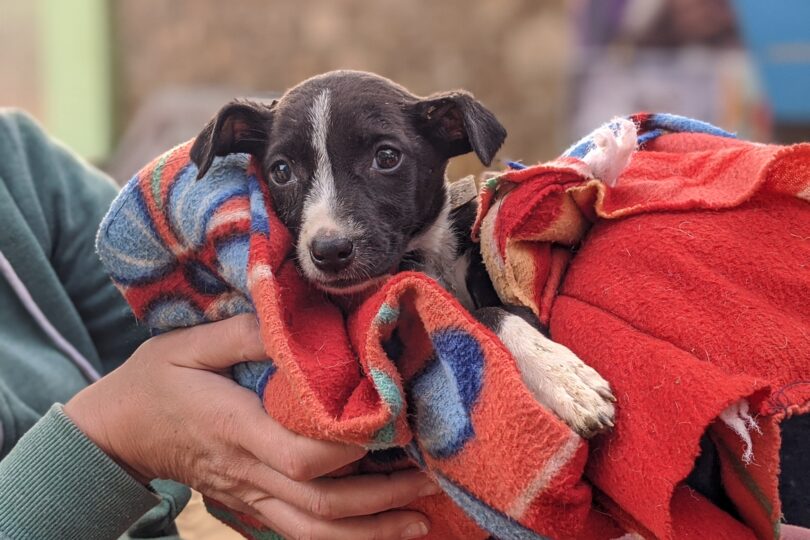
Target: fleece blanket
677, 269
186, 251
675, 260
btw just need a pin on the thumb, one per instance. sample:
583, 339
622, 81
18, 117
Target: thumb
215, 346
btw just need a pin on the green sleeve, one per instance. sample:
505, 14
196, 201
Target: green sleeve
57, 484
51, 203
69, 198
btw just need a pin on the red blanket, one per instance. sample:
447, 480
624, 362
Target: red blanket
686, 285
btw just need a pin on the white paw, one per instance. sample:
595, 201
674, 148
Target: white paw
558, 379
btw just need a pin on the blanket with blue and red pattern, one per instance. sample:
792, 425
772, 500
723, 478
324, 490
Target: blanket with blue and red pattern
184, 252
664, 253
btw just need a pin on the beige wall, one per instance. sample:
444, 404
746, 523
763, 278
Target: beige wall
19, 74
510, 53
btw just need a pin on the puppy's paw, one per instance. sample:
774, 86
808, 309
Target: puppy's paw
580, 396
559, 379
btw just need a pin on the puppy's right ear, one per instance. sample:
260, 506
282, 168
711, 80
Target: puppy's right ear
458, 123
239, 127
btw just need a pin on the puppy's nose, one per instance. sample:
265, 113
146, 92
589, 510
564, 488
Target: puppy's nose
331, 252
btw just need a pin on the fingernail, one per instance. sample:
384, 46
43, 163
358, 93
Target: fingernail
429, 489
415, 530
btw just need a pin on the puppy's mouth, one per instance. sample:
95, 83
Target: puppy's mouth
349, 286
362, 269
348, 282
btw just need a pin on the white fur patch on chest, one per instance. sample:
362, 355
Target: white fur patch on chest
438, 247
437, 239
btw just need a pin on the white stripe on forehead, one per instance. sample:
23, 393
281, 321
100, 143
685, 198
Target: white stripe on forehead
319, 119
320, 203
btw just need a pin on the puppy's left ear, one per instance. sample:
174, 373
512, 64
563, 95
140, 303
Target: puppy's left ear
458, 123
239, 127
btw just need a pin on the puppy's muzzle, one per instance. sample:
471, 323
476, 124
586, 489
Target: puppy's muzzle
331, 252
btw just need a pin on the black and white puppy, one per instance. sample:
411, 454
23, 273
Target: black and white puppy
356, 170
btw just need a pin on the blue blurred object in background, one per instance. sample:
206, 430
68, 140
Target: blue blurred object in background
777, 35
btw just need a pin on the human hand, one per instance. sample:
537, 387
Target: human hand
168, 412
792, 532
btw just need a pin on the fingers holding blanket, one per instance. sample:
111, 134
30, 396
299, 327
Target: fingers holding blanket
295, 524
218, 345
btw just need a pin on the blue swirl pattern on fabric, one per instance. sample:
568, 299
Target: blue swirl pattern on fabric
446, 391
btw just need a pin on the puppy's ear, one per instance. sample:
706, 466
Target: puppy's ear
458, 123
239, 127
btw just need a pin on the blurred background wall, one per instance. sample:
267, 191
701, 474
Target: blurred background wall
122, 80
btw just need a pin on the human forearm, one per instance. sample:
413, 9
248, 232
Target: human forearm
55, 483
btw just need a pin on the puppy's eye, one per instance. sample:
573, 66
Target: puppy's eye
387, 158
281, 172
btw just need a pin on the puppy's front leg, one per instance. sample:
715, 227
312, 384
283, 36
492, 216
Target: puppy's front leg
557, 378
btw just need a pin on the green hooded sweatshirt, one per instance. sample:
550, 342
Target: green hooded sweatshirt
62, 325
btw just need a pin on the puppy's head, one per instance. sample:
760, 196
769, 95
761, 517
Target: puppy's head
355, 166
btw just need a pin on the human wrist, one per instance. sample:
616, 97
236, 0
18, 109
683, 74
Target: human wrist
87, 415
56, 479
